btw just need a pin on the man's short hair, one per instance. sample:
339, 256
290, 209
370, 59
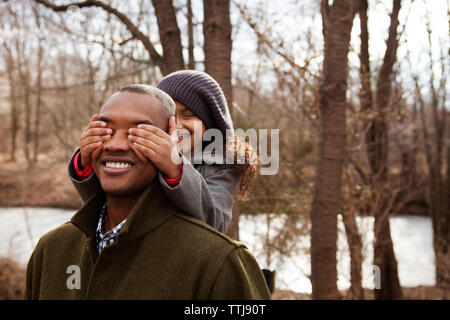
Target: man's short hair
166, 101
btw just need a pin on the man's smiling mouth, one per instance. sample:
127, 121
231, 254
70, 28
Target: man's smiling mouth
116, 165
116, 168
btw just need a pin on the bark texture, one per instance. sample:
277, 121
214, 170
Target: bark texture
338, 21
169, 35
217, 48
377, 150
218, 45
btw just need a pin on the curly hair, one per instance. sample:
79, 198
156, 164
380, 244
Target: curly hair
245, 159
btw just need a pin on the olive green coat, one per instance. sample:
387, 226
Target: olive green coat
159, 254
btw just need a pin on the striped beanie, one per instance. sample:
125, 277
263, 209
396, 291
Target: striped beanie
201, 94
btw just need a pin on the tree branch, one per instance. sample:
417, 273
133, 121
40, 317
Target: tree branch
390, 56
269, 42
134, 30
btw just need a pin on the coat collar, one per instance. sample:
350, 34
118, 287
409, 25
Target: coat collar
151, 210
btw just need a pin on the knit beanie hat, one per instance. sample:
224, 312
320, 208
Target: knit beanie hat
201, 94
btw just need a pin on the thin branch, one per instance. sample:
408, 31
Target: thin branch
324, 11
270, 43
134, 30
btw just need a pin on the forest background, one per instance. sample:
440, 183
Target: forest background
357, 89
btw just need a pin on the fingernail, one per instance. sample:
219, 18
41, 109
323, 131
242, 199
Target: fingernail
107, 136
103, 124
108, 131
130, 130
139, 126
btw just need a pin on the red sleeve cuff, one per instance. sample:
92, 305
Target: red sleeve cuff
82, 174
174, 182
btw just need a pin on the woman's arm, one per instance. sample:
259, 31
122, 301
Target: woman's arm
206, 195
87, 187
208, 198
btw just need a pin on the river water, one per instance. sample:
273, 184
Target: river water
21, 228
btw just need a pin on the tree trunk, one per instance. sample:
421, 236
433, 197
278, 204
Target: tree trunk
442, 249
441, 219
355, 247
37, 113
14, 122
10, 67
377, 149
409, 154
364, 70
27, 133
439, 181
338, 20
217, 46
190, 16
385, 259
169, 35
24, 76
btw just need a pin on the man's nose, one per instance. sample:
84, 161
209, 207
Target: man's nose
118, 142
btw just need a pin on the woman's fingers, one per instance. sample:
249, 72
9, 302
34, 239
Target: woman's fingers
91, 139
96, 132
152, 129
96, 149
149, 135
92, 146
146, 151
144, 142
87, 151
96, 124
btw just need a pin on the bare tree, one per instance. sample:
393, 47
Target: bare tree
217, 46
13, 99
438, 195
25, 84
351, 207
337, 25
377, 151
169, 35
172, 58
190, 27
38, 88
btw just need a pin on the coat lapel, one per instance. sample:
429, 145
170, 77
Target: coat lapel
151, 210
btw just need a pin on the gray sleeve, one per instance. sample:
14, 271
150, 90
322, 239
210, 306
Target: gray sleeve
208, 197
85, 188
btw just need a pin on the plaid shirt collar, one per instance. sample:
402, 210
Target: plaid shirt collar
104, 239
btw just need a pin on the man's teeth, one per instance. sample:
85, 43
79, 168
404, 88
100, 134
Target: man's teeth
119, 165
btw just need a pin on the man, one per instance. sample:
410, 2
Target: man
128, 241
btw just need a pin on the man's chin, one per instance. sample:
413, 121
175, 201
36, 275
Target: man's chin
119, 192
